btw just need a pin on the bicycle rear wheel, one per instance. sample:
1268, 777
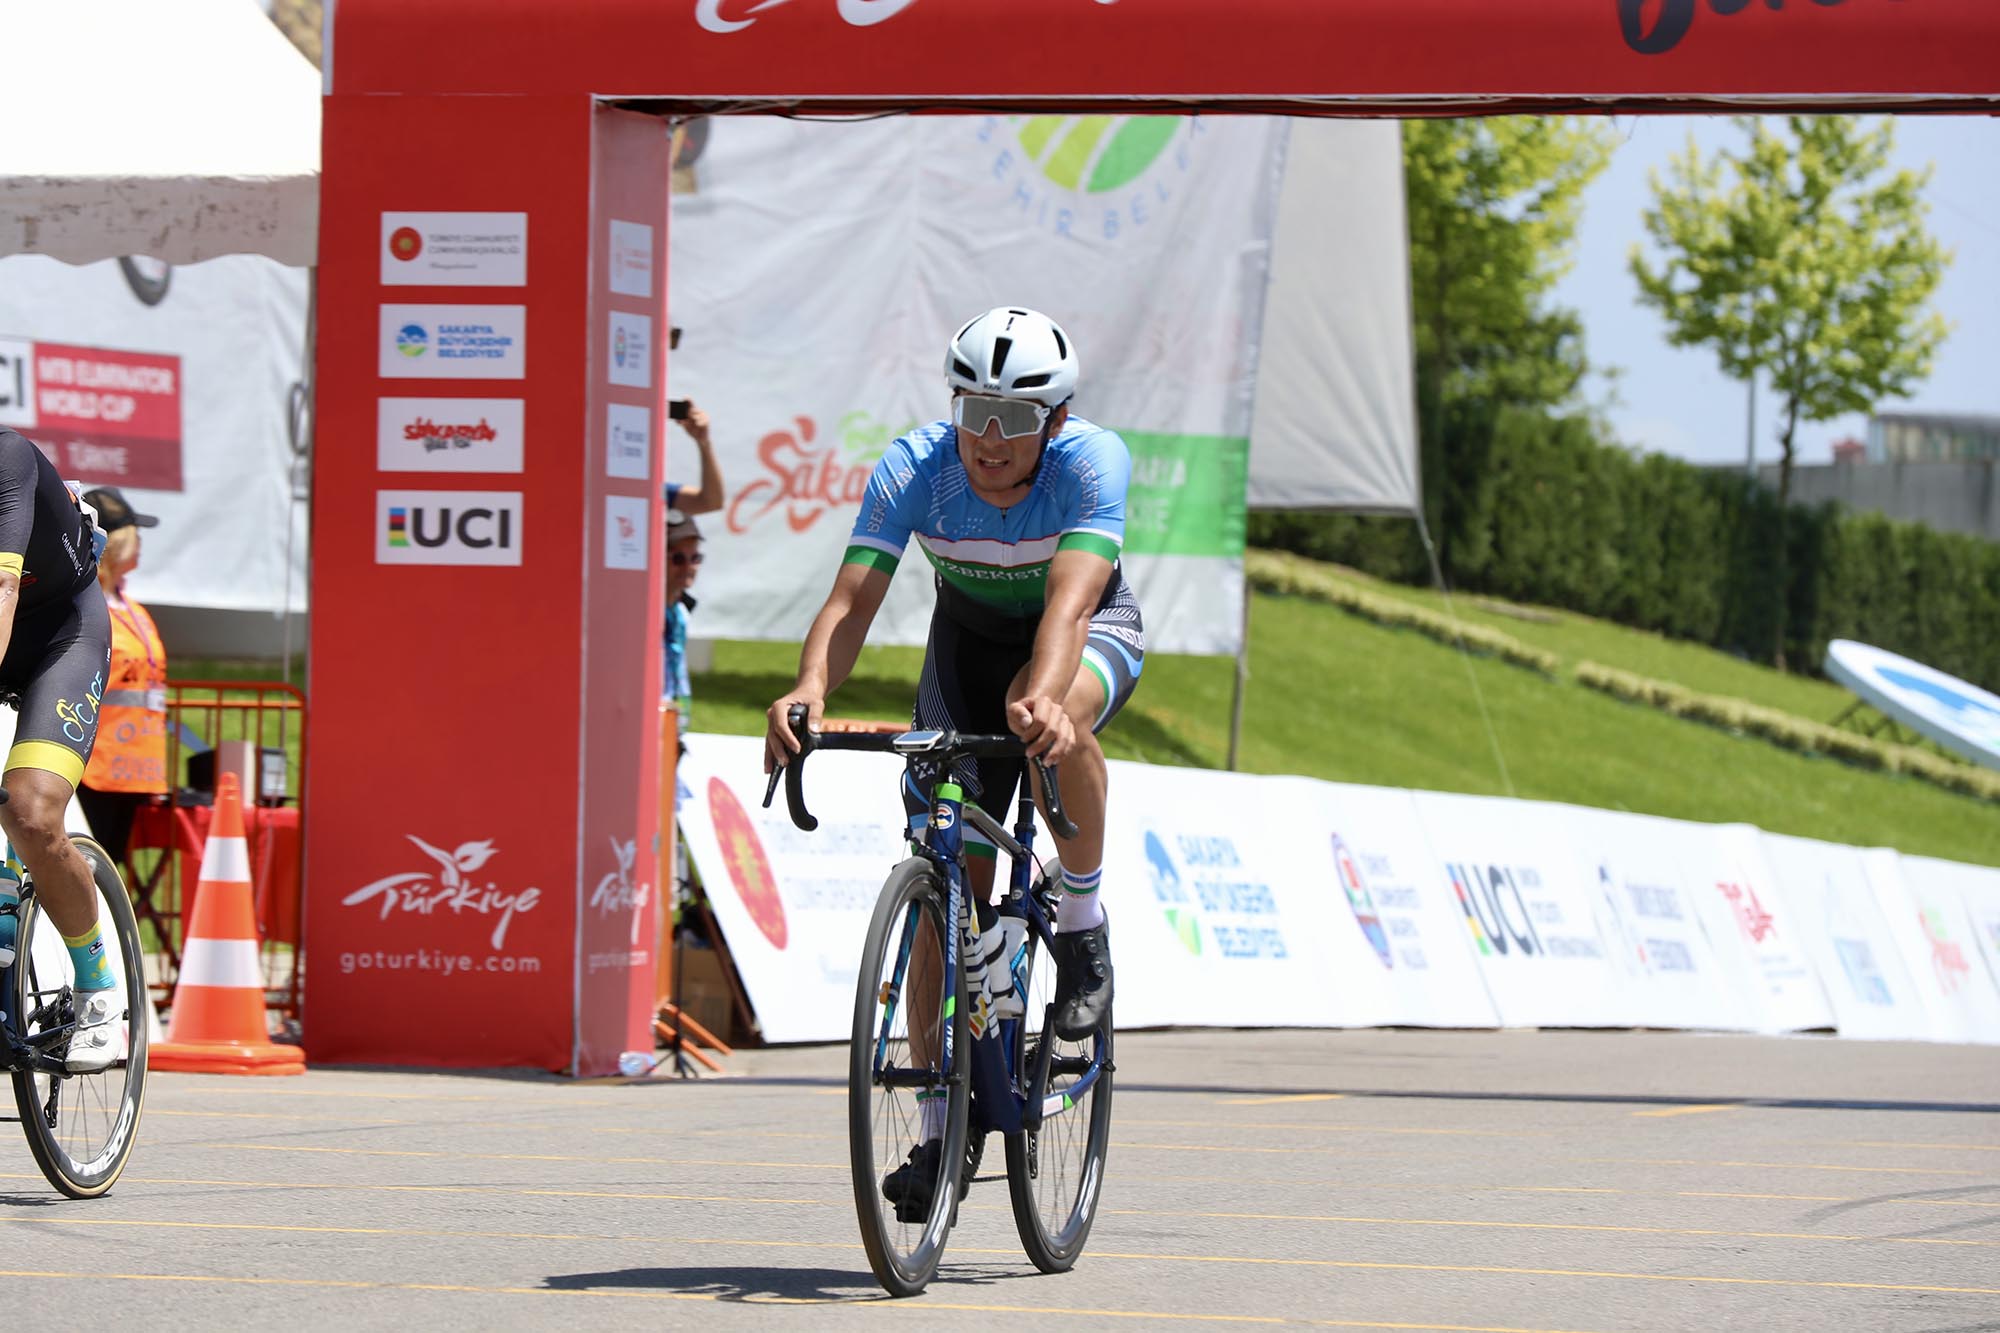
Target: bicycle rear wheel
1054, 1173
81, 1127
902, 1011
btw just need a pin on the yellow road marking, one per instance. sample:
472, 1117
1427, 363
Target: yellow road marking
1283, 1101
1952, 1147
1545, 1226
917, 1306
519, 1156
1692, 1110
1126, 1122
1253, 1261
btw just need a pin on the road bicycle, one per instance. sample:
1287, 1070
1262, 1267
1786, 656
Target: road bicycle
80, 1127
1049, 1098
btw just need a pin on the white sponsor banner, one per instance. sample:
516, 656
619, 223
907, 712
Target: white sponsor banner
448, 527
628, 442
1398, 945
927, 222
1930, 919
454, 249
629, 355
1977, 889
238, 326
625, 530
631, 258
1534, 911
468, 342
793, 906
448, 435
1644, 876
1751, 928
1857, 956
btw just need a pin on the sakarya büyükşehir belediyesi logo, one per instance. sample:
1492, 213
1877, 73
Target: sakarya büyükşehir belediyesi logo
413, 340
1091, 177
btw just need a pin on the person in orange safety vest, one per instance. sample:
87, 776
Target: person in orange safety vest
128, 767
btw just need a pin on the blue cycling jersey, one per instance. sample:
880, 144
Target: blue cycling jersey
998, 557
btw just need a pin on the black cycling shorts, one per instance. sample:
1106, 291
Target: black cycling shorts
57, 662
967, 673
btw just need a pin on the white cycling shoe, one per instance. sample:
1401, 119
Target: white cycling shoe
96, 1042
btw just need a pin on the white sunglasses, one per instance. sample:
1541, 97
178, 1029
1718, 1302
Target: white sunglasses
1016, 416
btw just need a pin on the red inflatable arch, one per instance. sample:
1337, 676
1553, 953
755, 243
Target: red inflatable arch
486, 590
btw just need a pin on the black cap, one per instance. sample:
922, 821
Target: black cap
114, 511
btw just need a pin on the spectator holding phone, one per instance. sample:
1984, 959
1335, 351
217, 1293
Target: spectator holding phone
683, 563
706, 496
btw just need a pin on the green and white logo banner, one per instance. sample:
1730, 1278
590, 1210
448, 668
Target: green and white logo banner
818, 270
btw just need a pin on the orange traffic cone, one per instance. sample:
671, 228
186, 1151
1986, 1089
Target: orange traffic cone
218, 1018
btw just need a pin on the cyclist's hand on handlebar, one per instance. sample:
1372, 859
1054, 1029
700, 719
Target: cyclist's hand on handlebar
779, 742
1045, 725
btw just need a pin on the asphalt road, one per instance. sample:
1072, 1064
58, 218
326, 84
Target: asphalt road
1407, 1180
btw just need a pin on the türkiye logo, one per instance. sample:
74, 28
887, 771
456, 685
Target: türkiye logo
406, 243
618, 345
1091, 177
412, 340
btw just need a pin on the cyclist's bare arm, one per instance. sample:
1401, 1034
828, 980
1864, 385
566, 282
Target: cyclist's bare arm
1076, 583
828, 654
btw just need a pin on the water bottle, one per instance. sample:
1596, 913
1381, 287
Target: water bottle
10, 910
635, 1064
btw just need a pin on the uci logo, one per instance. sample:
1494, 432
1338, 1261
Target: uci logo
449, 528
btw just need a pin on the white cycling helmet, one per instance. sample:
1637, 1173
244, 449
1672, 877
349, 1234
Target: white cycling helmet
1013, 353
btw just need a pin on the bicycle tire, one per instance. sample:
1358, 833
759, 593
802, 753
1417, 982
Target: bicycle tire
114, 1097
1054, 1175
903, 1260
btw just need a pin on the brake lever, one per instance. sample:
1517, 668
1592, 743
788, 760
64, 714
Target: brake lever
795, 772
1059, 821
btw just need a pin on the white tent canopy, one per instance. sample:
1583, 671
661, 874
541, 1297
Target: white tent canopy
179, 129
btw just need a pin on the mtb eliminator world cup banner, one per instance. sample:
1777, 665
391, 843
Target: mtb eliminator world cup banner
820, 269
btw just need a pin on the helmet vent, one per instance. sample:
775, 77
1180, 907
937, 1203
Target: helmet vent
1032, 381
963, 371
1001, 346
1062, 345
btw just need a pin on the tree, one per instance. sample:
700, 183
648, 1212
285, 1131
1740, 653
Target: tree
1493, 207
1805, 260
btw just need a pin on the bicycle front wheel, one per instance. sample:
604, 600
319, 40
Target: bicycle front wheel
905, 1120
1054, 1173
81, 1127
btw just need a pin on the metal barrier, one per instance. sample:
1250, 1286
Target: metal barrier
266, 721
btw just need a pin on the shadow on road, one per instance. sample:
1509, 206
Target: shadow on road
754, 1283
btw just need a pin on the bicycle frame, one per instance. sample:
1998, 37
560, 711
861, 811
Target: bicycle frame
1003, 1098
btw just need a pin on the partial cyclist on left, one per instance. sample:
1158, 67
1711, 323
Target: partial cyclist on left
55, 650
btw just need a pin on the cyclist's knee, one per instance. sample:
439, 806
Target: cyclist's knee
36, 810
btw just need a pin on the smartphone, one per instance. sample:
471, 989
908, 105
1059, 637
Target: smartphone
677, 409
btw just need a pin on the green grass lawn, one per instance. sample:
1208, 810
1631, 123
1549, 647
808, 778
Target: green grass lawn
1337, 697
1576, 638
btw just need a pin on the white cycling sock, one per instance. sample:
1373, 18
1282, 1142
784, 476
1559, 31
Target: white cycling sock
1079, 908
932, 1104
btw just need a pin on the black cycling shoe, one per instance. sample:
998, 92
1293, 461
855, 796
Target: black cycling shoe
1083, 981
913, 1185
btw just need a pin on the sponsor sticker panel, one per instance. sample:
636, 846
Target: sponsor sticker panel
449, 435
630, 350
628, 442
1975, 965
626, 530
448, 527
454, 249
472, 342
631, 258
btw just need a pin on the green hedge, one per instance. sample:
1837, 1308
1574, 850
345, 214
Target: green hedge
1542, 510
